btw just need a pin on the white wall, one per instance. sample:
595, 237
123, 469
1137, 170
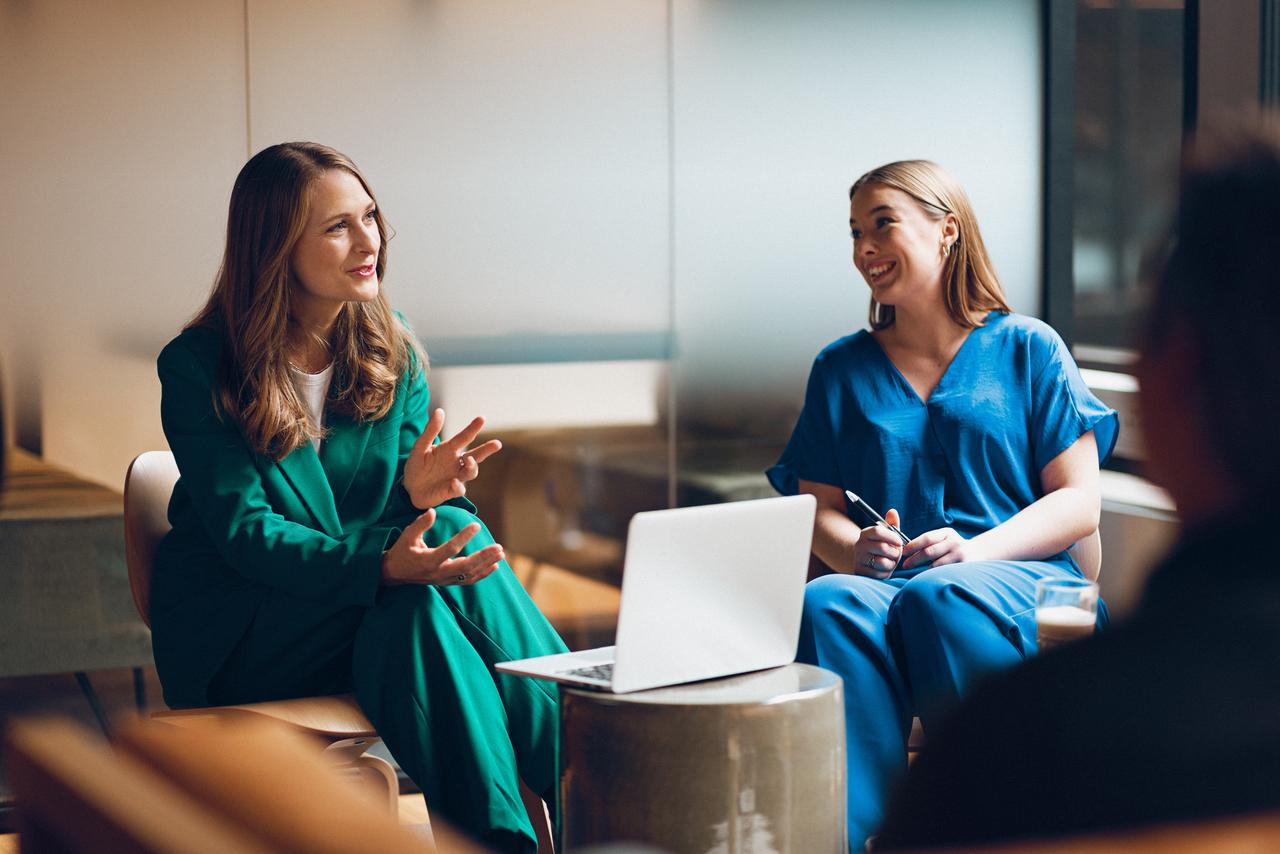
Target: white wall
536, 159
123, 123
519, 149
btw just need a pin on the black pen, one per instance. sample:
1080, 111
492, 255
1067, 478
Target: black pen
866, 508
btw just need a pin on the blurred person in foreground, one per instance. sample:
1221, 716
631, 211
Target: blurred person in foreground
1171, 715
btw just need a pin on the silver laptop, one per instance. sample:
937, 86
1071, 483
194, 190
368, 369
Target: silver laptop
707, 591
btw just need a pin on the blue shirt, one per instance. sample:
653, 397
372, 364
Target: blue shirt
970, 457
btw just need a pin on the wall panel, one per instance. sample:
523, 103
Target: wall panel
519, 150
536, 160
124, 120
777, 108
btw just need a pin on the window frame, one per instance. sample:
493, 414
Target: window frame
1059, 24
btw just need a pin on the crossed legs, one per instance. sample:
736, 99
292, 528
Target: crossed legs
910, 646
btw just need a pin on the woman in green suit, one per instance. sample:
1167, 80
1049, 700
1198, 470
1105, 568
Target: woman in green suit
321, 542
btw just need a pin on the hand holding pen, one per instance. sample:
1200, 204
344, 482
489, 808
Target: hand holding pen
879, 548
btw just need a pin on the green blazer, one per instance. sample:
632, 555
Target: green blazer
313, 525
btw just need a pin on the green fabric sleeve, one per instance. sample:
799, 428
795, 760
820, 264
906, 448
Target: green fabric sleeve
223, 480
417, 411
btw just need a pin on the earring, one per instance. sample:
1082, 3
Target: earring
946, 250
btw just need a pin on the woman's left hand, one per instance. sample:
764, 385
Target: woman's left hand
436, 472
938, 547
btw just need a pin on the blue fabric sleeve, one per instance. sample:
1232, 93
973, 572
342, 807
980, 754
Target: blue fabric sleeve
811, 451
1063, 408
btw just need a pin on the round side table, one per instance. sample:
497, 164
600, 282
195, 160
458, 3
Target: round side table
752, 763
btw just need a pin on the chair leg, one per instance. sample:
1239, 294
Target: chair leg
915, 742
351, 757
140, 691
94, 703
540, 818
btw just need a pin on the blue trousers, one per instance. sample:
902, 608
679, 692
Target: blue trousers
911, 645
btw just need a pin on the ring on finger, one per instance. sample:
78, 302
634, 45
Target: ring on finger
870, 562
459, 578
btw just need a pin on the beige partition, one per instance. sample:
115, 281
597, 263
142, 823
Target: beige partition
122, 124
518, 149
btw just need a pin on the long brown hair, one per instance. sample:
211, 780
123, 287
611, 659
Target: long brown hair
970, 287
249, 306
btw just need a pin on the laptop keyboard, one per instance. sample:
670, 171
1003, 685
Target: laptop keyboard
595, 671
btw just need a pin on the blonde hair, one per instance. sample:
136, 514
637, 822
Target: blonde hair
249, 306
970, 287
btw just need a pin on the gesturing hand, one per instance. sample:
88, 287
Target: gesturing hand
412, 561
940, 547
878, 550
434, 473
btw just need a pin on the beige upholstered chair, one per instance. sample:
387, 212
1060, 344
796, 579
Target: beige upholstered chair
148, 486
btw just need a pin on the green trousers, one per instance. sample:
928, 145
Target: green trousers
421, 664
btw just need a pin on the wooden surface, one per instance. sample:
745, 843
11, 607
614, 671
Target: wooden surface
251, 786
1252, 834
584, 611
74, 794
33, 489
338, 716
413, 814
65, 602
270, 781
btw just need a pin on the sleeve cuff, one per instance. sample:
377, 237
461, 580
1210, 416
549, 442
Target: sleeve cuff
368, 567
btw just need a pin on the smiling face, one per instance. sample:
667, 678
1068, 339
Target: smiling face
897, 246
335, 261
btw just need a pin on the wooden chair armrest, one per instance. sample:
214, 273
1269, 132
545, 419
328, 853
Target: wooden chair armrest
275, 782
337, 716
74, 794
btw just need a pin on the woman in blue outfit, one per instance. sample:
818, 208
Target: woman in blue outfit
972, 428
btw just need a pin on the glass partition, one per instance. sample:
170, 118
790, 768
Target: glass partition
1128, 139
777, 108
622, 228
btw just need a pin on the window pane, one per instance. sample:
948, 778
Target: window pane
1128, 133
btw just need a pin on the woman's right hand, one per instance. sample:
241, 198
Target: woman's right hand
878, 550
412, 561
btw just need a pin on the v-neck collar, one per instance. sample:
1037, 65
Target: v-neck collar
342, 452
304, 472
902, 378
323, 476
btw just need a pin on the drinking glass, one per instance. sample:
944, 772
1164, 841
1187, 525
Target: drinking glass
1066, 610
